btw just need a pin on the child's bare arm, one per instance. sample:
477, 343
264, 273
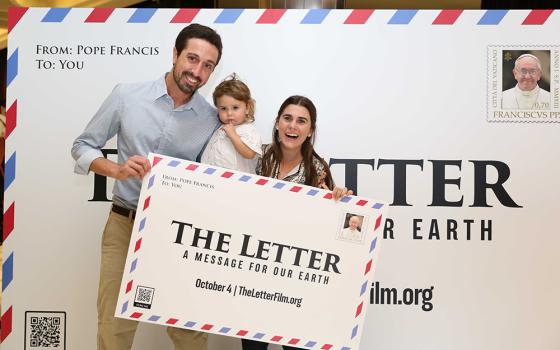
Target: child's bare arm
240, 147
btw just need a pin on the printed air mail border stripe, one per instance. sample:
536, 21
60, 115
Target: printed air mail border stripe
275, 16
9, 261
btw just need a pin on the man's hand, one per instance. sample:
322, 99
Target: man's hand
135, 166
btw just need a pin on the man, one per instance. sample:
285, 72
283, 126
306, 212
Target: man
352, 232
166, 116
526, 94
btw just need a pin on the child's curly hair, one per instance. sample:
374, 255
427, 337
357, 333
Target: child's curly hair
233, 87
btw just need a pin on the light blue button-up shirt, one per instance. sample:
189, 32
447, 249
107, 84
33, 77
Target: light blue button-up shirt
144, 120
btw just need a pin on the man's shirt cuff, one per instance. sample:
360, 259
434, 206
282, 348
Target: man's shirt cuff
84, 162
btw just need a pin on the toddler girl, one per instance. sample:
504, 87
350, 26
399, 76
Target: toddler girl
237, 143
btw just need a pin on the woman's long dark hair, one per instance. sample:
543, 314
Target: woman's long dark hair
273, 155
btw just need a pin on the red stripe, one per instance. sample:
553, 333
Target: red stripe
137, 246
227, 174
207, 327
358, 17
537, 17
276, 338
8, 221
156, 160
11, 118
136, 315
447, 17
293, 341
6, 325
326, 347
241, 333
271, 16
359, 309
295, 189
99, 15
14, 15
328, 195
361, 202
377, 222
192, 167
185, 15
262, 182
172, 321
147, 203
368, 267
128, 286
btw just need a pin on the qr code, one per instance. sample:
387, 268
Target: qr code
45, 330
144, 297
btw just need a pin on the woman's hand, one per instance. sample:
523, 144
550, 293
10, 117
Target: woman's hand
339, 192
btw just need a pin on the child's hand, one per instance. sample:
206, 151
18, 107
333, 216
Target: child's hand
229, 129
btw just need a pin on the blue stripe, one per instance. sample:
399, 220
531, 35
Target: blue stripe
345, 199
364, 288
403, 16
174, 163
142, 15
224, 330
124, 307
151, 182
492, 17
312, 192
154, 318
133, 265
142, 224
7, 271
245, 178
279, 185
56, 15
190, 324
377, 206
10, 171
345, 348
12, 67
372, 246
354, 332
209, 171
228, 16
259, 335
315, 16
310, 344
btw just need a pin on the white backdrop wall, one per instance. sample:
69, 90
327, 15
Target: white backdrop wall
394, 88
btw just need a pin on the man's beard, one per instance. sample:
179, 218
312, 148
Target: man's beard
185, 88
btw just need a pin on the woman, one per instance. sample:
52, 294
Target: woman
291, 157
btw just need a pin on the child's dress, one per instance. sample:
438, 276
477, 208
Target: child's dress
221, 152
